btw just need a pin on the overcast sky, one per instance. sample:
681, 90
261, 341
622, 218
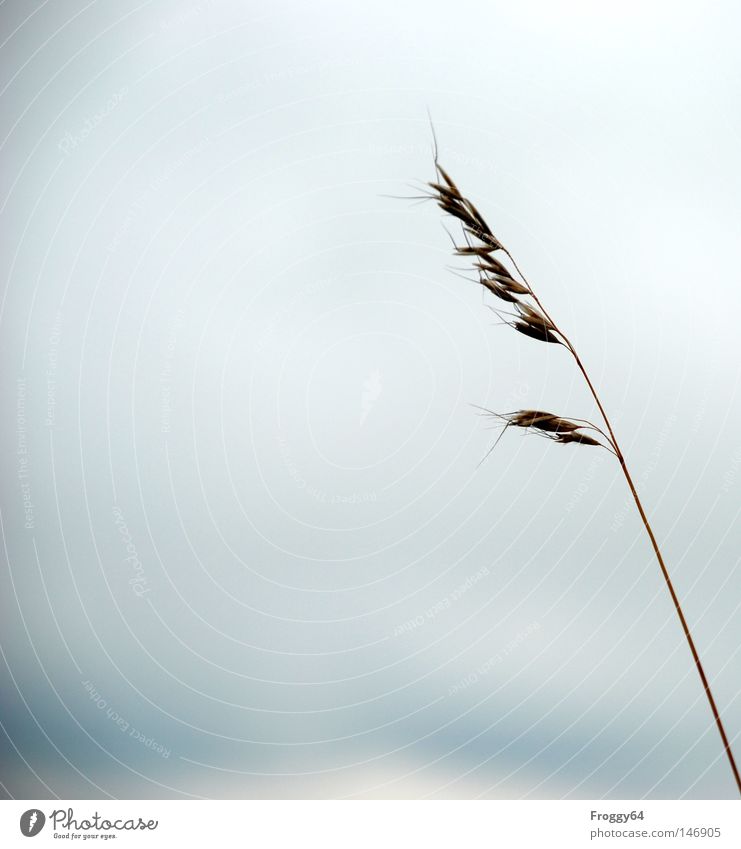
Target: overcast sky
251, 549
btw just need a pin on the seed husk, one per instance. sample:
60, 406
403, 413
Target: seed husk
458, 212
493, 265
452, 195
486, 238
511, 285
473, 250
543, 421
535, 331
581, 438
534, 316
441, 171
498, 290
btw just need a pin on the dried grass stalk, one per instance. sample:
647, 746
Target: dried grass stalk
533, 320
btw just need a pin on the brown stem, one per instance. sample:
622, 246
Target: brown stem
649, 531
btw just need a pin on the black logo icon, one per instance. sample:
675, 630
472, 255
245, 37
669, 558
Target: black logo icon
32, 822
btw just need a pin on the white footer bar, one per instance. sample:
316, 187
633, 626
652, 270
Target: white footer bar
373, 824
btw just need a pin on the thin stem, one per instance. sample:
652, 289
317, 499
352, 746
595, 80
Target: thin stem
649, 531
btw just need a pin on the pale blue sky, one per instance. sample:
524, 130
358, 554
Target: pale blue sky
240, 375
